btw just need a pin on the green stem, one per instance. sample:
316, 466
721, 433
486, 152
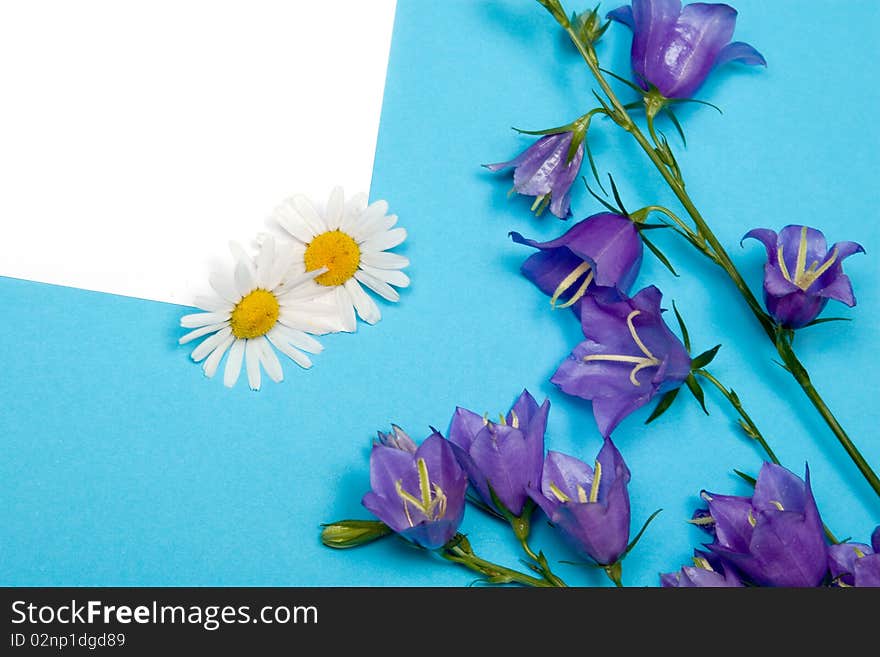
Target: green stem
615, 574
541, 562
799, 372
522, 527
621, 116
748, 424
458, 551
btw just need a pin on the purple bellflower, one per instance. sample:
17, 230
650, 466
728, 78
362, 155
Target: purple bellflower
507, 457
419, 495
708, 571
676, 49
628, 358
590, 506
856, 564
544, 171
801, 273
604, 250
775, 537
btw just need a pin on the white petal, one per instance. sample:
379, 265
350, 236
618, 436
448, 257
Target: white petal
385, 260
283, 260
198, 320
366, 307
295, 355
335, 207
244, 279
297, 338
316, 323
290, 220
205, 330
233, 363
213, 361
366, 224
291, 282
391, 276
353, 210
379, 287
241, 256
265, 262
224, 287
208, 345
270, 361
345, 307
309, 214
252, 363
368, 231
214, 304
387, 240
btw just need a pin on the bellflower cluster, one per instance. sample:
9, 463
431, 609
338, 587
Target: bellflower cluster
856, 564
774, 537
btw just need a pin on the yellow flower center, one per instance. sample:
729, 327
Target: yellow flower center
336, 251
254, 315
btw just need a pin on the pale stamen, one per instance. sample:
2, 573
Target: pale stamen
804, 277
777, 504
570, 280
597, 477
432, 504
640, 362
703, 563
558, 494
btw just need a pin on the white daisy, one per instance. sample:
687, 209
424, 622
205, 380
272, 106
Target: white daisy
259, 306
351, 240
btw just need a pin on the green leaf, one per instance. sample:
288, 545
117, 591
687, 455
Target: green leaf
694, 100
622, 210
610, 207
628, 83
748, 478
659, 255
705, 358
828, 319
548, 131
593, 164
674, 119
685, 336
694, 386
663, 405
638, 537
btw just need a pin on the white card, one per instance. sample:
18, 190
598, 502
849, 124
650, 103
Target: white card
138, 137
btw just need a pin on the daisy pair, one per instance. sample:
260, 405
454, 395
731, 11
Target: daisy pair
311, 282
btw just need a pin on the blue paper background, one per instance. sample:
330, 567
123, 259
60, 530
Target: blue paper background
122, 465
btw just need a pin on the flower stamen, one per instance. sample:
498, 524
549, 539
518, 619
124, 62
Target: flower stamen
777, 504
703, 563
804, 277
254, 315
558, 494
597, 477
432, 501
648, 360
570, 280
336, 251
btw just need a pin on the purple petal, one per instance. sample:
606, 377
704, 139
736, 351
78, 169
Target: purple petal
566, 473
767, 237
501, 454
670, 580
389, 511
790, 240
776, 484
739, 51
547, 269
599, 531
623, 15
611, 411
443, 468
613, 468
433, 535
789, 551
842, 560
875, 539
867, 571
464, 427
654, 22
548, 506
690, 54
731, 515
388, 466
794, 310
535, 175
560, 197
